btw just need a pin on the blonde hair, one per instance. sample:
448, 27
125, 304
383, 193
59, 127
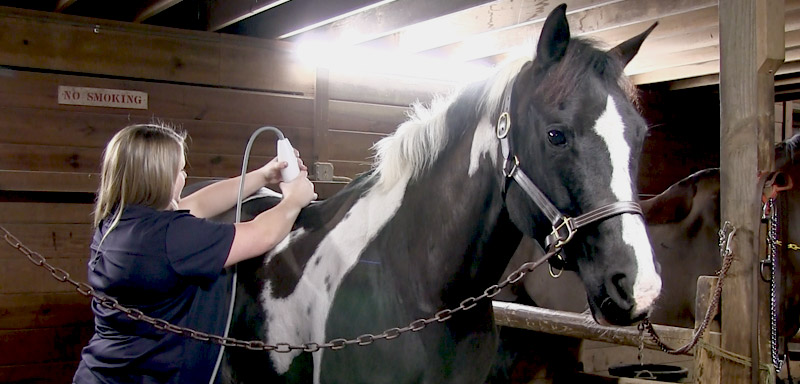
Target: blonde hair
140, 165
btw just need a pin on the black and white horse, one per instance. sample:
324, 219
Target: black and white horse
437, 220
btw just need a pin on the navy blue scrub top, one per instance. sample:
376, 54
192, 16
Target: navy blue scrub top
169, 265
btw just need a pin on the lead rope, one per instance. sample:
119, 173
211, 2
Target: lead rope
725, 236
258, 345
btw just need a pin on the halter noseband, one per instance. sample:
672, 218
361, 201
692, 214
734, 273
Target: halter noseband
564, 227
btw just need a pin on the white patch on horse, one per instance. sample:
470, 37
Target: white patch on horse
483, 142
283, 244
648, 284
301, 317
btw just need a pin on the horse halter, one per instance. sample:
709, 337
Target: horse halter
564, 227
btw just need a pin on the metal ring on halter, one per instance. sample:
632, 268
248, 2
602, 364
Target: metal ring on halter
503, 124
560, 270
570, 227
514, 166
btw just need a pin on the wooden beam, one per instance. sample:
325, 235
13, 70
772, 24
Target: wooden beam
153, 8
586, 22
50, 41
301, 15
746, 82
224, 13
386, 17
584, 327
63, 4
454, 27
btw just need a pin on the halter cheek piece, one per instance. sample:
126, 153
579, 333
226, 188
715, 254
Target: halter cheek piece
564, 227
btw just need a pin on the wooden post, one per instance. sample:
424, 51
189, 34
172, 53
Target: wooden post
706, 365
321, 108
751, 48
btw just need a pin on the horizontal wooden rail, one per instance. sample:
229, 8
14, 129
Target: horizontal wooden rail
584, 327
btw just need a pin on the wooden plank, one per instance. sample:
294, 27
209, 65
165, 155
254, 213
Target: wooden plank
706, 365
51, 344
93, 130
48, 181
268, 65
183, 102
385, 89
87, 160
297, 15
353, 146
595, 19
60, 372
386, 17
454, 27
53, 241
744, 152
153, 8
36, 213
63, 4
582, 326
18, 276
224, 13
67, 43
362, 117
44, 310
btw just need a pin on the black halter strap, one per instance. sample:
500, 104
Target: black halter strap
564, 227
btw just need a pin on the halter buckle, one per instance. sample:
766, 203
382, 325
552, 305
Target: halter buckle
566, 223
510, 172
503, 125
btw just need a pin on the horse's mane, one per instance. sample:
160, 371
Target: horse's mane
417, 142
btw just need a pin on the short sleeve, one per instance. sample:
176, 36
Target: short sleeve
198, 247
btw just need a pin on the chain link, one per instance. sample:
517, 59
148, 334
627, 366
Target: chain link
772, 260
725, 236
258, 345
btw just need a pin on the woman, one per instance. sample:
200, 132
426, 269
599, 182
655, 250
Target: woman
156, 252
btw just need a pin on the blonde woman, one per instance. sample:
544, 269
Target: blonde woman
156, 252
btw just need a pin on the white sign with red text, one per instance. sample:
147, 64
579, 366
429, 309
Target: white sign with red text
101, 97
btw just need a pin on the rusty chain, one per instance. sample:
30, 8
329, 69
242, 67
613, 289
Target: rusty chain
258, 345
725, 236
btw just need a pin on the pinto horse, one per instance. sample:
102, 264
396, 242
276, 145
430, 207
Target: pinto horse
440, 215
683, 223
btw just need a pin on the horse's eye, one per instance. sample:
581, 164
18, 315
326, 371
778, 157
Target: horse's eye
556, 137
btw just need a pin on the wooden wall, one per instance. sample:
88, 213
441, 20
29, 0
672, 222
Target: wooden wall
218, 88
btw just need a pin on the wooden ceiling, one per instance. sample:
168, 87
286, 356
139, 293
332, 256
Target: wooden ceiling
683, 50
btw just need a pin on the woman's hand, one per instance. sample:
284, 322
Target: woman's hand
272, 170
300, 191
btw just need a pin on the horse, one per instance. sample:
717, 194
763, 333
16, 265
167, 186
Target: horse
683, 223
439, 216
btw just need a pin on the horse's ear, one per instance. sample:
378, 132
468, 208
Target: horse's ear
554, 38
627, 49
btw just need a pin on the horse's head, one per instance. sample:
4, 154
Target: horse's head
577, 134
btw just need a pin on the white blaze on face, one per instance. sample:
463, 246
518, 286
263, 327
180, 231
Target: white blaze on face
301, 316
648, 284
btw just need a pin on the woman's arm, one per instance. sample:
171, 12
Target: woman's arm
255, 237
221, 196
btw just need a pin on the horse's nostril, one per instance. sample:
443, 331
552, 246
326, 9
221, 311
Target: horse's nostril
620, 290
